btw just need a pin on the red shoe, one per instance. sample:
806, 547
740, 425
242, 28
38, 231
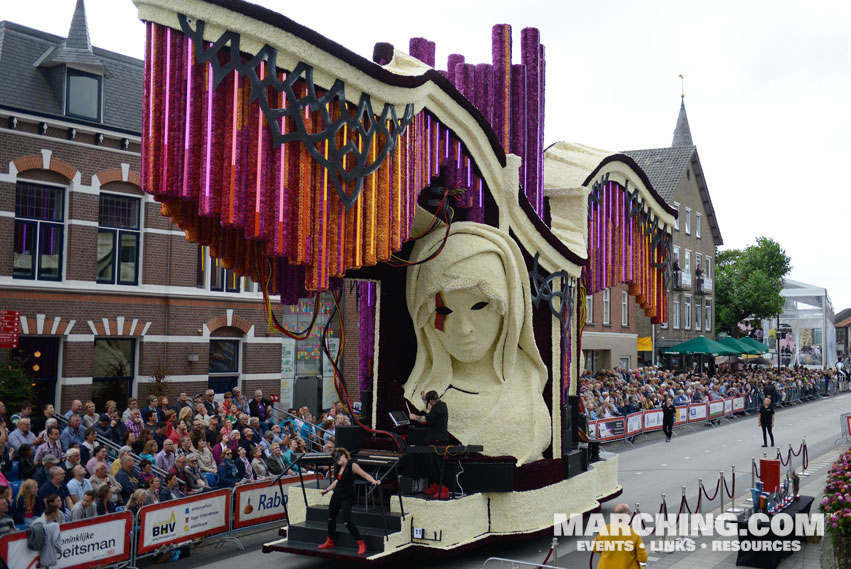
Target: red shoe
433, 489
329, 544
442, 494
361, 547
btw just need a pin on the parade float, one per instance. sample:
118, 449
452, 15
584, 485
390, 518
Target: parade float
300, 164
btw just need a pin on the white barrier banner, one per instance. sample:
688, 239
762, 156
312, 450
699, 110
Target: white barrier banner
88, 543
681, 416
716, 408
260, 503
652, 419
177, 521
633, 424
697, 412
738, 404
728, 406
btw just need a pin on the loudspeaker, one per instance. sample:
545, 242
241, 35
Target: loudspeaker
410, 485
366, 407
573, 463
350, 438
484, 477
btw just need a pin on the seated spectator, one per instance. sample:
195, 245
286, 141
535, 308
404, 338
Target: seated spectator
228, 472
221, 446
87, 449
127, 478
132, 405
78, 484
166, 457
23, 510
248, 441
135, 424
170, 491
266, 441
105, 427
55, 485
258, 465
276, 463
22, 436
73, 433
76, 409
137, 499
116, 464
261, 409
146, 470
291, 455
185, 447
179, 470
195, 479
153, 487
101, 478
154, 405
72, 460
89, 417
51, 446
42, 473
161, 433
85, 509
100, 455
185, 415
150, 451
203, 414
206, 461
240, 400
243, 465
327, 431
104, 503
26, 467
7, 523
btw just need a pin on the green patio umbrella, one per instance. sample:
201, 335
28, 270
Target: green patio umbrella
763, 349
702, 345
740, 346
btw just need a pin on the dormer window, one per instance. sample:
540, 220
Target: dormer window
83, 95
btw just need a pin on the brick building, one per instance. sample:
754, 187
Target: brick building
677, 175
109, 291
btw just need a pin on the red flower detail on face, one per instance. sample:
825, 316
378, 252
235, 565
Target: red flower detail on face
441, 311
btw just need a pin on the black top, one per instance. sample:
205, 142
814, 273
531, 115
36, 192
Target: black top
438, 424
668, 412
345, 481
765, 415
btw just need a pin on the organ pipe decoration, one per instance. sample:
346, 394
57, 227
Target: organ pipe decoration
245, 158
626, 245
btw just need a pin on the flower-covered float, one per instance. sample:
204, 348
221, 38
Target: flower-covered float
300, 163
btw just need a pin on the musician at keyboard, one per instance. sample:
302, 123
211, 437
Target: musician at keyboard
437, 421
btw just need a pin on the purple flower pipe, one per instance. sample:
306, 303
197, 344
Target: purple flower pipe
451, 66
501, 52
517, 133
529, 40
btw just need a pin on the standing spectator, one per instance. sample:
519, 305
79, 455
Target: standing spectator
76, 409
85, 509
78, 485
26, 468
89, 418
766, 421
620, 547
49, 554
56, 485
73, 433
24, 510
22, 435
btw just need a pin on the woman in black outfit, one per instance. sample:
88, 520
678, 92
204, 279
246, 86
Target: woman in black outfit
343, 497
766, 420
668, 413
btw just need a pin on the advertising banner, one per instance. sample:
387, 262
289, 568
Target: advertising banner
592, 430
682, 415
716, 409
611, 429
178, 521
633, 424
89, 543
738, 404
652, 420
329, 391
261, 502
697, 412
728, 406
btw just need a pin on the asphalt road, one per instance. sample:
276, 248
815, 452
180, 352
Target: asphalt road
647, 469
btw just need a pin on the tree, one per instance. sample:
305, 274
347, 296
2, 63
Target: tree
15, 384
748, 283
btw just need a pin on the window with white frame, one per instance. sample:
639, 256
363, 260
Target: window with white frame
675, 313
677, 219
687, 312
688, 221
686, 266
39, 232
118, 239
707, 267
607, 306
624, 308
707, 321
697, 224
212, 275
698, 260
589, 309
677, 255
698, 312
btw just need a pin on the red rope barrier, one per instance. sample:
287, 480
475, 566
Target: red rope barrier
755, 469
727, 490
684, 504
715, 495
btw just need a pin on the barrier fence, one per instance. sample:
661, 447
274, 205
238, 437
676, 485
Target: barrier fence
122, 539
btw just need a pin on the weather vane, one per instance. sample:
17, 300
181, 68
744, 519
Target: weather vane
682, 86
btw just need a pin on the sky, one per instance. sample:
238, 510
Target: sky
767, 90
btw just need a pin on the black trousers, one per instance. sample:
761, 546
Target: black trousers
770, 434
668, 429
343, 507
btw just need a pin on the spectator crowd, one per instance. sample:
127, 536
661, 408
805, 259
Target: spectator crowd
619, 392
92, 462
